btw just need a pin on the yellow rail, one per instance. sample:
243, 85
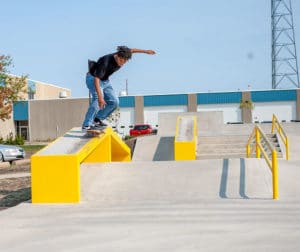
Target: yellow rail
255, 137
185, 143
276, 125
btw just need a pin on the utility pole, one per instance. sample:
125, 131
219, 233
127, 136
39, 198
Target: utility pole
284, 56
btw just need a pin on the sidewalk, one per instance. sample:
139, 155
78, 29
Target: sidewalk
25, 161
15, 175
8, 171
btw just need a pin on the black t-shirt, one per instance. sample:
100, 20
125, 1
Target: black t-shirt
104, 67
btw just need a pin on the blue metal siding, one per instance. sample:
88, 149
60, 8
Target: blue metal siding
219, 98
211, 98
20, 109
165, 100
126, 101
274, 95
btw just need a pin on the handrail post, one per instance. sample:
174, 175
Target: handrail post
260, 152
276, 124
257, 139
275, 174
280, 130
273, 124
248, 148
287, 148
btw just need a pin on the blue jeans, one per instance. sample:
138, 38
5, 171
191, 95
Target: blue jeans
112, 101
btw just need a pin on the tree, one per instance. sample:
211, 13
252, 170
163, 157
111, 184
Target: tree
12, 88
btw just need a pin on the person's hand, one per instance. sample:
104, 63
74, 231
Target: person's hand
151, 52
102, 103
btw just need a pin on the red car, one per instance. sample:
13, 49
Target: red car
142, 129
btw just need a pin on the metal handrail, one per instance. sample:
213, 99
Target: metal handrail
276, 124
256, 136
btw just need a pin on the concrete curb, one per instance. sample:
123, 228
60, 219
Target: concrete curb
15, 175
17, 162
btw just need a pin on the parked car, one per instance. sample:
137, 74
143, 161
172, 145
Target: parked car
10, 153
142, 129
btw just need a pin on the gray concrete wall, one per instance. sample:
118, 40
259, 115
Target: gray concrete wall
192, 103
139, 109
49, 119
207, 122
246, 112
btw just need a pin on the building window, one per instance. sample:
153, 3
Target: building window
22, 129
30, 96
31, 89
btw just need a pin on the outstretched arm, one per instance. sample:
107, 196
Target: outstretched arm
135, 50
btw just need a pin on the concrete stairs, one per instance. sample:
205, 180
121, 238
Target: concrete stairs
159, 148
230, 146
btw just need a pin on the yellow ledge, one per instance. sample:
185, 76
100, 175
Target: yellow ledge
55, 170
185, 144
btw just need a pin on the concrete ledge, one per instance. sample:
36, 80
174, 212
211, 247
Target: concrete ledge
185, 131
185, 143
55, 170
208, 122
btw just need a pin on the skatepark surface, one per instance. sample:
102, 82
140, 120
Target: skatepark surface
153, 205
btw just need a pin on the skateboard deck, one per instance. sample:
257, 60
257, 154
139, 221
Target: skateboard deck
94, 132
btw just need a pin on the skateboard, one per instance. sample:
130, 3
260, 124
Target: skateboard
94, 132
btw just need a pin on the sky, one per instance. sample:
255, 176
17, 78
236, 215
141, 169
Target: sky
201, 46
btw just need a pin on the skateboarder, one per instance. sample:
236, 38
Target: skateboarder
104, 101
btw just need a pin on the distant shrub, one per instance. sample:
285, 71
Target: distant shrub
127, 137
10, 140
19, 140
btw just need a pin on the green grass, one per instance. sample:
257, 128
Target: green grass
33, 148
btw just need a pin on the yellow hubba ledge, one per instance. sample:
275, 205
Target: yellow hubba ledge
185, 143
55, 170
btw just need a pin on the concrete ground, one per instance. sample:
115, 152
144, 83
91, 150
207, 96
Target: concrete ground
203, 205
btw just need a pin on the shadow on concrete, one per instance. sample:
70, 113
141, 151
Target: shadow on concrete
243, 179
131, 144
224, 178
165, 149
13, 198
84, 135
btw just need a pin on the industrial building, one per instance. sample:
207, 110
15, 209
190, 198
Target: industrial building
36, 90
47, 119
